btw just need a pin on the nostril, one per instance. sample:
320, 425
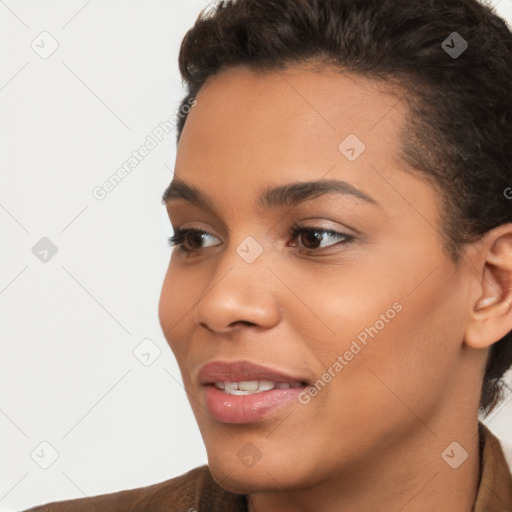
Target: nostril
242, 322
225, 328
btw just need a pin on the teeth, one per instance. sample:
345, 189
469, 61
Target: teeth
249, 387
266, 385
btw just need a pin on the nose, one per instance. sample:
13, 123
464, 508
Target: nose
238, 295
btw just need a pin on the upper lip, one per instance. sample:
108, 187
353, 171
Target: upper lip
239, 371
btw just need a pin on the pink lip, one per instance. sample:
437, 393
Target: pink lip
242, 370
243, 409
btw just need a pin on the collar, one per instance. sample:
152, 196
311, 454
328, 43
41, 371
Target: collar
495, 488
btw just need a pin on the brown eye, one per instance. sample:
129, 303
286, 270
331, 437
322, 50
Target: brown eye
190, 240
311, 237
195, 240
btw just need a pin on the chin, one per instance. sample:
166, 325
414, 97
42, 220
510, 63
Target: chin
267, 474
242, 480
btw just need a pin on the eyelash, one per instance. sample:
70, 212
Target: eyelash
180, 236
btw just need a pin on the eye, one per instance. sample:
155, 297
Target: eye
311, 237
190, 240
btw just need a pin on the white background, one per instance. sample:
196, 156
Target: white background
68, 327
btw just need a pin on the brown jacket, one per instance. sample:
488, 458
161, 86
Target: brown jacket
196, 491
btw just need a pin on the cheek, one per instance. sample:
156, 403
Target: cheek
177, 299
166, 303
406, 369
399, 341
346, 302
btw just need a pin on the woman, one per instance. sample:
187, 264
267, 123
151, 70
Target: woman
339, 298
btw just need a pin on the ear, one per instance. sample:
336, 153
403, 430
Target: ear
491, 314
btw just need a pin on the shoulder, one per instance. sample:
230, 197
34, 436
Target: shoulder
186, 493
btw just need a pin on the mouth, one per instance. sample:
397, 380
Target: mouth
244, 392
251, 387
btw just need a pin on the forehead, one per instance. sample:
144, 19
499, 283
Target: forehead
299, 112
332, 95
265, 128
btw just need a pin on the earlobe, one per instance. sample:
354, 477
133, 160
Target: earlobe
491, 314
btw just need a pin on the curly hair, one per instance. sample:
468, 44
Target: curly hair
459, 127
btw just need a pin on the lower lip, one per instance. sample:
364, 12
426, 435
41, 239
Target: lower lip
242, 409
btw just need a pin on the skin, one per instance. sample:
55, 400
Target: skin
372, 438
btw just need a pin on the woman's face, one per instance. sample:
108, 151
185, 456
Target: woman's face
366, 308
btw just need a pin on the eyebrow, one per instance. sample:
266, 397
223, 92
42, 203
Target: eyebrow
289, 194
